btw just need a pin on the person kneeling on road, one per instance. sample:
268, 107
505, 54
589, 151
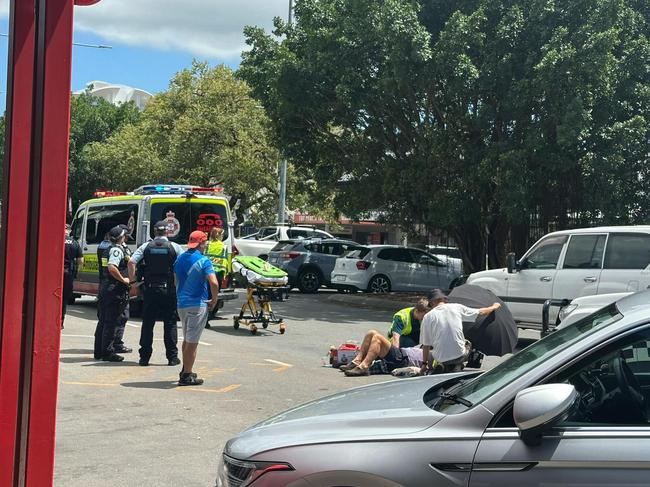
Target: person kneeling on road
405, 328
374, 347
442, 332
194, 272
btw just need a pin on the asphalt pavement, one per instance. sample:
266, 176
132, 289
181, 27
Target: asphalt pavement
122, 424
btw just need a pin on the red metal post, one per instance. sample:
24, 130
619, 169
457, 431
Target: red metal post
31, 238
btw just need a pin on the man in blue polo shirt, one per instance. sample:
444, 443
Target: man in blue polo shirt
194, 273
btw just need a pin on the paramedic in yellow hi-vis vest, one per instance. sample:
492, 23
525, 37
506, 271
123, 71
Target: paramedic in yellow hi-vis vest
218, 254
405, 329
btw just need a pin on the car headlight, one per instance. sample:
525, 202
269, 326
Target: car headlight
238, 473
567, 310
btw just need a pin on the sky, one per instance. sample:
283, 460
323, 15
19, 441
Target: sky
153, 39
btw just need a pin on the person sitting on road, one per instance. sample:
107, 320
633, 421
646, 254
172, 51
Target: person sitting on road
374, 347
405, 329
442, 332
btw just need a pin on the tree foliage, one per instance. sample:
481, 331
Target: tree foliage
206, 129
475, 116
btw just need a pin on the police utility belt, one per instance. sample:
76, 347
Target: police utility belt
157, 285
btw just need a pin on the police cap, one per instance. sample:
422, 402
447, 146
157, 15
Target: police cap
116, 232
160, 226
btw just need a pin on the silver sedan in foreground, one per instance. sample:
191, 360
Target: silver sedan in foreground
571, 409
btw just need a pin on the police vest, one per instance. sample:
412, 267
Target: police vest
159, 257
101, 248
68, 258
103, 262
405, 316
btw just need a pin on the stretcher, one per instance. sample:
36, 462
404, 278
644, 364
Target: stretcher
264, 284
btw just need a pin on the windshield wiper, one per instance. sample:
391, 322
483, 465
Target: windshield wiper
455, 398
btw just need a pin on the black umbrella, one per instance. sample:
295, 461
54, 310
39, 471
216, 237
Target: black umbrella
494, 334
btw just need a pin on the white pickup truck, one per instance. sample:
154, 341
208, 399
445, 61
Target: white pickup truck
260, 244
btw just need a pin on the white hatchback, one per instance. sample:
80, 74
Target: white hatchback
385, 268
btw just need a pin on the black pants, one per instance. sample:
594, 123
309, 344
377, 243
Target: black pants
67, 294
121, 326
114, 299
159, 304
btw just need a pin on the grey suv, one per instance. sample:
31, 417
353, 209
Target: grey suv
570, 409
309, 262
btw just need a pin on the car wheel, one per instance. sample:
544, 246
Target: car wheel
309, 281
379, 284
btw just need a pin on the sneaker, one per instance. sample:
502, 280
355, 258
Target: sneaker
123, 349
174, 361
349, 366
357, 372
190, 380
113, 358
143, 362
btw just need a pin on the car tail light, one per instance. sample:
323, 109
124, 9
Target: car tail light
235, 251
362, 265
289, 255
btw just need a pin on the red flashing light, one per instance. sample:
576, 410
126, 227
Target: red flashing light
362, 265
106, 194
198, 189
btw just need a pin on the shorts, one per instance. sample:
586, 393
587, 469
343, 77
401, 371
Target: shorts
193, 321
396, 359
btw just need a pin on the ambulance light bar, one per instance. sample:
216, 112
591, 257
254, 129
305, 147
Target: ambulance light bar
106, 194
176, 189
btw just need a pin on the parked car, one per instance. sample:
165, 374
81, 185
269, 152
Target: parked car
568, 409
584, 306
260, 244
385, 268
309, 262
570, 264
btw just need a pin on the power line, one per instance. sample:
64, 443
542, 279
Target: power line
80, 44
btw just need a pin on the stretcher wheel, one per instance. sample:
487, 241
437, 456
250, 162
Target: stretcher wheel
235, 323
253, 329
283, 328
265, 323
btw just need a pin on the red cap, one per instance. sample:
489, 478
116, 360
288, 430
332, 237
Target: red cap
196, 237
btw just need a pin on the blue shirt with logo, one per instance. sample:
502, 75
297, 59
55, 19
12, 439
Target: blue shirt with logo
192, 269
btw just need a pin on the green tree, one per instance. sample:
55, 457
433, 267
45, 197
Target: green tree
92, 119
205, 129
473, 116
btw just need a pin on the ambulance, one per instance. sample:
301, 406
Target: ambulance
185, 208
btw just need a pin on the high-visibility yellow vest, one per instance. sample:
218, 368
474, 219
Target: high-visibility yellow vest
405, 316
216, 252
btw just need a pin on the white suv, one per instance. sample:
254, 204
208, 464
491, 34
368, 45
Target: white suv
260, 244
569, 264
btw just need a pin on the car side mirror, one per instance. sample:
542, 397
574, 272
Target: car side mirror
539, 408
511, 262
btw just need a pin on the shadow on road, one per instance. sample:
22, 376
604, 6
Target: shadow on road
76, 360
113, 364
79, 351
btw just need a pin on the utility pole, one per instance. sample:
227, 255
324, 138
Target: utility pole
282, 203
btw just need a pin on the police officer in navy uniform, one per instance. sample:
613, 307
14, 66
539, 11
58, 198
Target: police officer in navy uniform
157, 259
72, 259
113, 293
101, 250
126, 314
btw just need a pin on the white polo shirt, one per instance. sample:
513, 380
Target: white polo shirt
442, 330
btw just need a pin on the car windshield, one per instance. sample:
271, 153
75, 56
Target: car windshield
184, 217
483, 386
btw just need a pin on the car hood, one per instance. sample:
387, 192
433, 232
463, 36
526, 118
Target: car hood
373, 412
599, 300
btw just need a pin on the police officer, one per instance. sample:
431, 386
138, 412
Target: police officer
101, 249
126, 314
72, 259
113, 293
157, 258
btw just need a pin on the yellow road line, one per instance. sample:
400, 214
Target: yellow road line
229, 388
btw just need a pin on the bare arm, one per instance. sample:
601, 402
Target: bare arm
394, 339
489, 309
131, 265
80, 262
214, 289
425, 359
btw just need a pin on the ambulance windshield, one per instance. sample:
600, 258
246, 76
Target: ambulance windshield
184, 217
